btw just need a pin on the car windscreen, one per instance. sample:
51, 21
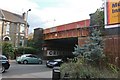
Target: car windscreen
52, 61
3, 58
33, 56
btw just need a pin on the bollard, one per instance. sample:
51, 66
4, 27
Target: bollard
56, 73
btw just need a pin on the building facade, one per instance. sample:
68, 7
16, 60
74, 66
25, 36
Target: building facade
13, 28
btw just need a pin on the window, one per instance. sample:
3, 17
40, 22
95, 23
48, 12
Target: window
21, 43
22, 28
34, 56
17, 28
7, 27
29, 56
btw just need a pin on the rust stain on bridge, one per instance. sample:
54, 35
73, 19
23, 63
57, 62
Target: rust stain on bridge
74, 29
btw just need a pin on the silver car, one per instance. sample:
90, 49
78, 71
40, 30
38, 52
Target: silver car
28, 58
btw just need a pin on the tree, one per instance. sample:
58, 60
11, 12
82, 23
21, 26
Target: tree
92, 51
8, 50
97, 18
30, 43
87, 65
36, 44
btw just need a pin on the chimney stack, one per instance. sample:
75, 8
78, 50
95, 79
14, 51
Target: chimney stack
24, 16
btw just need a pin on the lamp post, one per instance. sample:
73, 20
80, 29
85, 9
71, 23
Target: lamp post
27, 14
26, 27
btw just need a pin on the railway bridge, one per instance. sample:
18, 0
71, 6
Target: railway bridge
59, 41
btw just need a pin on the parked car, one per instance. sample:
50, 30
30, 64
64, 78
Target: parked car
5, 64
54, 62
28, 58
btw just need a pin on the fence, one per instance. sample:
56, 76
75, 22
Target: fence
112, 48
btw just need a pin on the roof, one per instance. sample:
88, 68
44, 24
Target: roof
12, 17
1, 14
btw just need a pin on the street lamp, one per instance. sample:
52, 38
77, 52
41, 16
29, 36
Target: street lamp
27, 14
26, 27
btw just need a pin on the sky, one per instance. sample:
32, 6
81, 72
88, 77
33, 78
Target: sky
50, 13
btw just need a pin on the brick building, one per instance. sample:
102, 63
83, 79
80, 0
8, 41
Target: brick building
13, 28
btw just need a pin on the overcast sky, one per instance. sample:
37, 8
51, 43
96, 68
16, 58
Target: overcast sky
49, 13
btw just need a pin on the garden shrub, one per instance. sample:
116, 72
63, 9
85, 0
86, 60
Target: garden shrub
26, 50
8, 50
81, 69
90, 60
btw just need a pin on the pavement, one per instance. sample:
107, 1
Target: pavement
34, 75
46, 74
12, 61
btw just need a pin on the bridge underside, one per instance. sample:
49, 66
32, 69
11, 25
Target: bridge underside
60, 48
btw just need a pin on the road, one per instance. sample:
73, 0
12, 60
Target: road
27, 71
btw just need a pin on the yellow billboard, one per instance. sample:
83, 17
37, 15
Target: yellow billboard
113, 12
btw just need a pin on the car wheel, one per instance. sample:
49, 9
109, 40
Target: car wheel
25, 62
19, 62
40, 62
2, 69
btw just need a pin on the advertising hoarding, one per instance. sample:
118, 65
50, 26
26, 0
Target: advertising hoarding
112, 13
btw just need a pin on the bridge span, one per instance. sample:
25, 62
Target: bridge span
59, 41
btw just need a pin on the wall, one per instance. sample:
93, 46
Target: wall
38, 40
